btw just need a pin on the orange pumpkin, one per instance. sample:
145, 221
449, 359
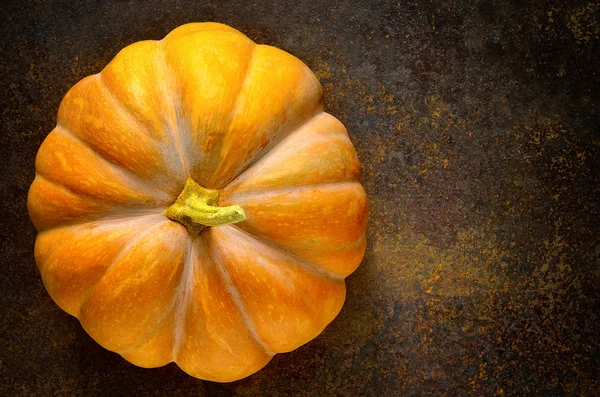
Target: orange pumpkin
195, 204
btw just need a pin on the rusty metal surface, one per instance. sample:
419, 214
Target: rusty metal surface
477, 126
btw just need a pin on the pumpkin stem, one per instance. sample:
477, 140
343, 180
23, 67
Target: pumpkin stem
197, 207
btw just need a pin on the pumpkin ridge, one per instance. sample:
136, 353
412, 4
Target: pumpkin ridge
135, 211
68, 189
235, 195
50, 258
236, 103
175, 132
273, 273
134, 214
183, 296
129, 246
159, 323
307, 265
130, 176
274, 144
107, 219
306, 143
126, 110
235, 296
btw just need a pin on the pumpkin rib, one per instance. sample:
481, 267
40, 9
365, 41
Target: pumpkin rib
237, 101
217, 344
124, 77
175, 132
313, 268
159, 323
132, 354
244, 83
90, 198
134, 212
92, 115
317, 152
126, 110
50, 259
272, 137
129, 246
277, 290
131, 114
274, 144
322, 224
185, 288
39, 214
62, 159
235, 296
107, 218
135, 82
132, 177
186, 131
131, 298
232, 197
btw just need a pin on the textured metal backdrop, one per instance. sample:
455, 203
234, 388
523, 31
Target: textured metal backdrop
477, 125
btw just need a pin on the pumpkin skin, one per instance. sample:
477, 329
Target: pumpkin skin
246, 120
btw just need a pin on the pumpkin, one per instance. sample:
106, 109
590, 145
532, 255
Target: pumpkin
196, 205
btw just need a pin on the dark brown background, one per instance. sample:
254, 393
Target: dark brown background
476, 123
